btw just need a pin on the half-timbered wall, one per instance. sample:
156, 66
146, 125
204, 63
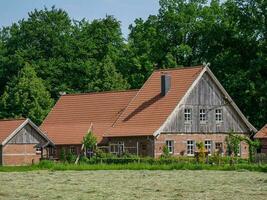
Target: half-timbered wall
207, 95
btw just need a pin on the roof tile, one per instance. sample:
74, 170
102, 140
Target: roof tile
71, 117
149, 109
9, 126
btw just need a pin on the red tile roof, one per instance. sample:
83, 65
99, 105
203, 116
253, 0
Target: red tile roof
262, 133
148, 110
72, 115
9, 126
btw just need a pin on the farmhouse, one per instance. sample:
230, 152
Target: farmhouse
262, 136
176, 107
22, 142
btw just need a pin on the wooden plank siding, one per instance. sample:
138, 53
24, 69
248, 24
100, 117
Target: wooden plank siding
27, 135
206, 95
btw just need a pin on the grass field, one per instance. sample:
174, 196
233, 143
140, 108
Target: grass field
130, 184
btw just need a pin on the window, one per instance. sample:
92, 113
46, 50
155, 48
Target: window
170, 145
190, 147
203, 115
121, 147
117, 148
38, 150
208, 146
113, 148
73, 150
218, 115
187, 114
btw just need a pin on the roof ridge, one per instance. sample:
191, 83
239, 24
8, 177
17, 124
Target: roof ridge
180, 68
102, 92
12, 119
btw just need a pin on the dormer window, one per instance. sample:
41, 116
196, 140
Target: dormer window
218, 115
203, 115
187, 114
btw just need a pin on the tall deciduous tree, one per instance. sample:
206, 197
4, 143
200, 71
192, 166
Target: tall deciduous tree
26, 96
230, 35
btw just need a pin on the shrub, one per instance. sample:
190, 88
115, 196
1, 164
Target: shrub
62, 155
70, 157
201, 152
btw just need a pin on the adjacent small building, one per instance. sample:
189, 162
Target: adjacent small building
22, 142
175, 107
262, 136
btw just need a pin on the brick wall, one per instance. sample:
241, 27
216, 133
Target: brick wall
19, 154
180, 143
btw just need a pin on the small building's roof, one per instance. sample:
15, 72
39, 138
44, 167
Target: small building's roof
148, 110
8, 126
262, 133
74, 114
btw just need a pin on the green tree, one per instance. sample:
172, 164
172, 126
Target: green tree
89, 141
26, 96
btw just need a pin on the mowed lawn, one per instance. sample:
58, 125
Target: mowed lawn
180, 184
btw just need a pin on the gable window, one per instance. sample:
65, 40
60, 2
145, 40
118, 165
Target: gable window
190, 147
218, 115
208, 146
203, 115
170, 146
187, 114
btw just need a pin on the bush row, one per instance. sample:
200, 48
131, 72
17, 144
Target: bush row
163, 160
49, 165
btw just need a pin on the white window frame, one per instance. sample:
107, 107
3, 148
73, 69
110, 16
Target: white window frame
116, 148
112, 148
170, 146
219, 115
190, 147
187, 115
203, 115
208, 146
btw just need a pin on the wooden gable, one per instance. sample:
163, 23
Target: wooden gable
206, 93
27, 135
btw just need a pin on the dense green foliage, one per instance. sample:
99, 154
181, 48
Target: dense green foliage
26, 96
82, 56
